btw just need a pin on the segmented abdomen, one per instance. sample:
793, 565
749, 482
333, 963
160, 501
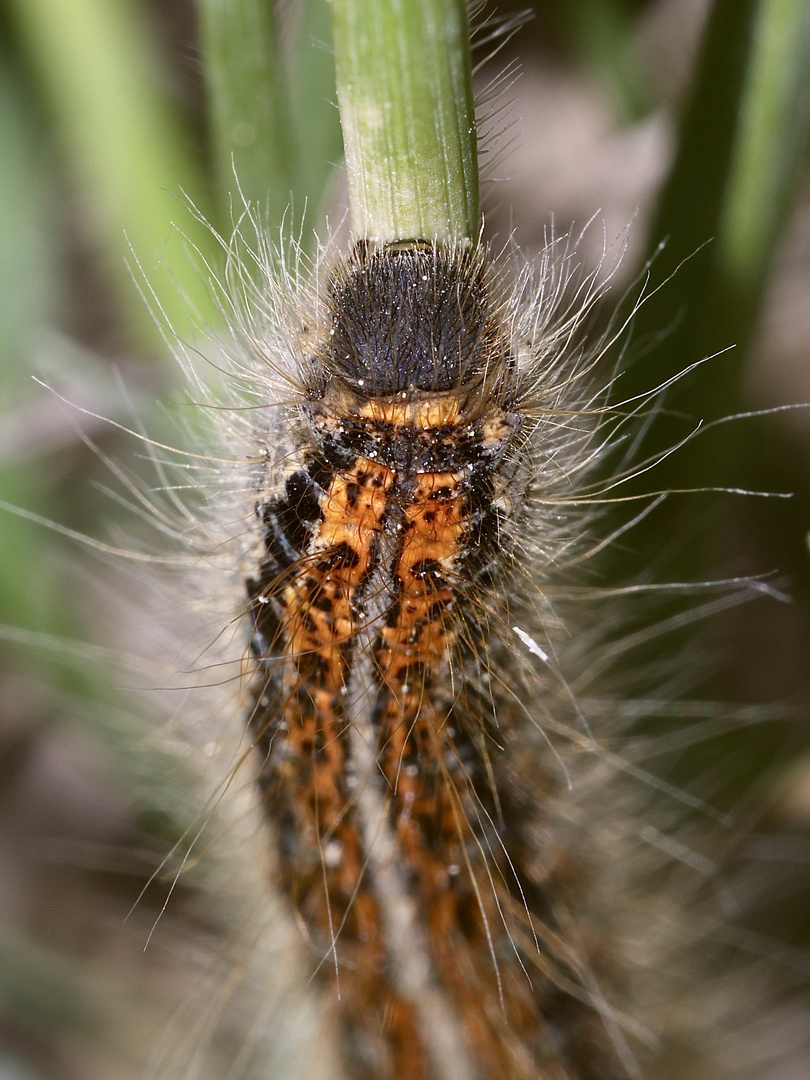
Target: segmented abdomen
387, 734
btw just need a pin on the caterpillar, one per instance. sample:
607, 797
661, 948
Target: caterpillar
416, 445
453, 860
385, 711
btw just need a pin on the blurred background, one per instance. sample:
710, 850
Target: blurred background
688, 119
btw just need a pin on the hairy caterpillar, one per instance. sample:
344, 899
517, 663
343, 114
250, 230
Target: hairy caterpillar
430, 738
388, 708
260, 526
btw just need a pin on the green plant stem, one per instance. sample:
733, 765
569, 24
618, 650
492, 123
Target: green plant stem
311, 79
127, 150
253, 146
741, 144
770, 149
406, 108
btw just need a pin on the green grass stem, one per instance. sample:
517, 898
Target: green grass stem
128, 151
406, 109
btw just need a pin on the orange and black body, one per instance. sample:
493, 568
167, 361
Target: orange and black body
383, 712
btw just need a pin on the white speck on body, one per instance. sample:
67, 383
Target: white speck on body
531, 644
